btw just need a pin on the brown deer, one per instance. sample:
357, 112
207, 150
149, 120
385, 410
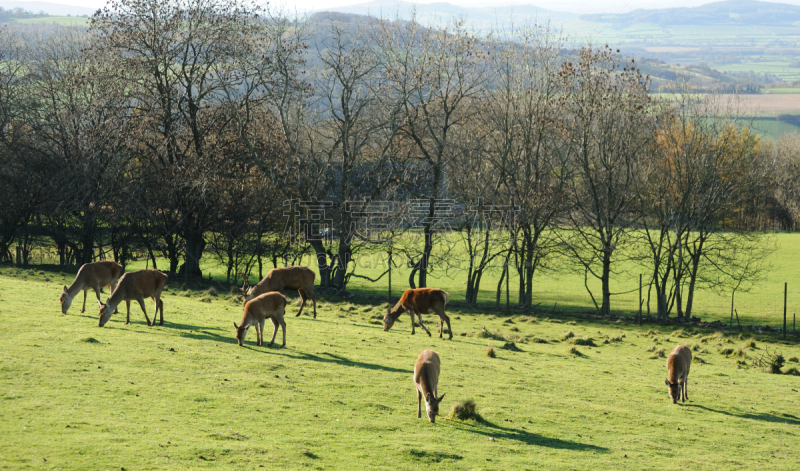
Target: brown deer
136, 285
300, 279
426, 380
270, 305
420, 301
678, 363
90, 275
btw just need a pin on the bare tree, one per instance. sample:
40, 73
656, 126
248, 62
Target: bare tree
607, 125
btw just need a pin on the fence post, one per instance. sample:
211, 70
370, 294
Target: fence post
390, 276
785, 290
640, 298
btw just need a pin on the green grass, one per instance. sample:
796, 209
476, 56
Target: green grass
340, 395
781, 90
50, 20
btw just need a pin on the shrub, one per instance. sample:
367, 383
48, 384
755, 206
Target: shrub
490, 352
792, 371
567, 336
465, 411
793, 360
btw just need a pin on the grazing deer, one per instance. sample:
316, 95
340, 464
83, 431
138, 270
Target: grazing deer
270, 305
90, 275
136, 285
420, 301
300, 279
426, 380
678, 363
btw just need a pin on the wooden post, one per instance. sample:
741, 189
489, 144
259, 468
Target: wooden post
640, 298
390, 276
733, 293
785, 292
508, 275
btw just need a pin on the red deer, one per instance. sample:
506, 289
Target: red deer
270, 305
300, 279
420, 301
426, 380
136, 285
91, 275
678, 363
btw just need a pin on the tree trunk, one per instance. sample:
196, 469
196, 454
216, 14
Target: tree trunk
605, 309
195, 244
322, 263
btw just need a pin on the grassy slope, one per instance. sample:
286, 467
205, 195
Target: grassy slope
58, 20
340, 395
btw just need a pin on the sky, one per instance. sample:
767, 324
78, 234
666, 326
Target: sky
573, 6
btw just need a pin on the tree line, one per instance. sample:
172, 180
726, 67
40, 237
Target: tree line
193, 128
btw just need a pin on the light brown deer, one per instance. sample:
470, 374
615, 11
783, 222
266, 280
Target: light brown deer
300, 279
678, 363
90, 275
136, 285
270, 305
420, 301
426, 380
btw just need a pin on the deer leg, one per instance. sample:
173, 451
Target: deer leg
419, 316
310, 292
83, 309
260, 331
443, 317
144, 310
283, 327
159, 306
685, 394
411, 313
128, 305
303, 296
419, 404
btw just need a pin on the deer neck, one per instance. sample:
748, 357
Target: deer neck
398, 309
76, 287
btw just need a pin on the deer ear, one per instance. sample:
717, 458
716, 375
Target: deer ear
65, 289
666, 381
440, 398
236, 326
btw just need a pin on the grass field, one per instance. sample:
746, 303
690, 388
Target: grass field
340, 395
50, 20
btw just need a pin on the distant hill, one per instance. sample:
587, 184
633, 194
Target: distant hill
729, 12
480, 17
56, 9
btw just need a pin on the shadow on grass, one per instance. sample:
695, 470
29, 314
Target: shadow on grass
340, 360
489, 429
785, 419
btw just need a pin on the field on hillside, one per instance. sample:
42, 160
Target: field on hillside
51, 20
340, 395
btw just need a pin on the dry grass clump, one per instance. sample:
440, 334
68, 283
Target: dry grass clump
575, 351
793, 360
660, 353
770, 362
539, 340
618, 338
205, 298
465, 411
792, 371
698, 360
586, 342
726, 351
487, 334
751, 343
651, 348
651, 332
695, 348
567, 336
682, 333
511, 346
490, 352
212, 291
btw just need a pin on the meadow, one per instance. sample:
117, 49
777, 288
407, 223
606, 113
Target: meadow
560, 393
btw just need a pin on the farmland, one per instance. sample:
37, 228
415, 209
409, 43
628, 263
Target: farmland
340, 395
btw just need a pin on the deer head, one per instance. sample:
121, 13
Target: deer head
66, 300
432, 406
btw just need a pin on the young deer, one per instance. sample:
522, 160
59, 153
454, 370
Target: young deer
426, 380
420, 301
90, 275
300, 279
678, 363
136, 285
270, 305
